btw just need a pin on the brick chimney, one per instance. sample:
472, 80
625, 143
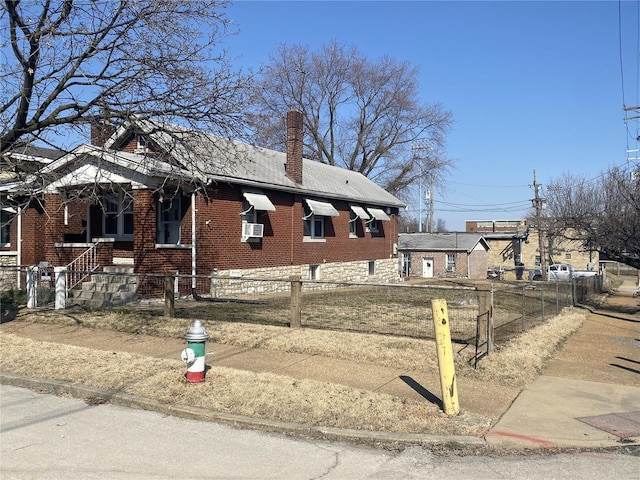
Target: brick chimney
294, 146
100, 133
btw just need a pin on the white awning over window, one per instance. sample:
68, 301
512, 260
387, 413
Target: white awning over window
360, 212
259, 201
378, 213
322, 208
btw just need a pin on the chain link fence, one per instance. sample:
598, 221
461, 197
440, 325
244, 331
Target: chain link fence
483, 316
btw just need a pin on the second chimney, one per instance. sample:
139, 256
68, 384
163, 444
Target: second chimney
100, 133
294, 146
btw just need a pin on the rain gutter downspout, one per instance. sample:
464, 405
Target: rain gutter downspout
193, 242
19, 255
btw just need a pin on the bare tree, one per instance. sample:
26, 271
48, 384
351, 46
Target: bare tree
604, 214
358, 114
69, 63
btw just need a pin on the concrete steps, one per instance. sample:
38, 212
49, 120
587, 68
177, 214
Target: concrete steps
113, 287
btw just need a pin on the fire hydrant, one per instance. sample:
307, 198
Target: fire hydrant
193, 355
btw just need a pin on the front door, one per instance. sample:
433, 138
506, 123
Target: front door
427, 267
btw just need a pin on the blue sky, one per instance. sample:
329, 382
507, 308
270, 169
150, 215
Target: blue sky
531, 85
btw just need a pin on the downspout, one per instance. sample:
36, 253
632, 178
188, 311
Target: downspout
19, 245
193, 242
88, 232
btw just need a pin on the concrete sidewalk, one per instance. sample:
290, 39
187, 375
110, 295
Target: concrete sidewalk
588, 396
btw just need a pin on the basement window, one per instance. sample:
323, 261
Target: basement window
314, 272
372, 267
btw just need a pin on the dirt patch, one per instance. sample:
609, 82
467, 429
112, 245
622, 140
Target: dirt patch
100, 358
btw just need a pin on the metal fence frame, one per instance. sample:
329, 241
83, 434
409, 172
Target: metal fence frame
485, 314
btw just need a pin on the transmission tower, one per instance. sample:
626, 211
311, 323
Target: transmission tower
420, 149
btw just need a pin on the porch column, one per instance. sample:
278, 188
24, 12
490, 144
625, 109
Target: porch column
53, 226
144, 229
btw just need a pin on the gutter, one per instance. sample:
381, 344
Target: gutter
19, 255
193, 242
302, 191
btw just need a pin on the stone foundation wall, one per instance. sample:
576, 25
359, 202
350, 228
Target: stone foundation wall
8, 271
230, 283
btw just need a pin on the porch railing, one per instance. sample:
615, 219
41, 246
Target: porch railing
82, 267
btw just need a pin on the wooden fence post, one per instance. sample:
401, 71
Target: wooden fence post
169, 298
296, 301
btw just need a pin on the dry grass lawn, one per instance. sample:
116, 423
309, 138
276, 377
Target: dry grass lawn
279, 397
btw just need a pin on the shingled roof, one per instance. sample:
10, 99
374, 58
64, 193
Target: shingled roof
455, 241
210, 158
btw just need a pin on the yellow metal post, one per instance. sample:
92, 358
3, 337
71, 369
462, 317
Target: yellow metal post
445, 357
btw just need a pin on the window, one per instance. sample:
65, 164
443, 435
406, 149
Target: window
142, 144
355, 214
537, 261
315, 213
372, 267
118, 215
451, 262
169, 217
252, 202
249, 214
353, 230
567, 256
377, 215
314, 272
314, 226
6, 215
373, 225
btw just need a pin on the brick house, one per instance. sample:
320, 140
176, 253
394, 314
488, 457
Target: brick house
142, 198
15, 248
448, 255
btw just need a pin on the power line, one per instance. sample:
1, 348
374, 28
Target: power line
488, 186
486, 204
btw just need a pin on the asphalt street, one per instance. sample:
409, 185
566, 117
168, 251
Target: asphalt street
50, 437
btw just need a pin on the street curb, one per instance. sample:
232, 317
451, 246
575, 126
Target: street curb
98, 395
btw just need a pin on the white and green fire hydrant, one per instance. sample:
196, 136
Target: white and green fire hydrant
193, 355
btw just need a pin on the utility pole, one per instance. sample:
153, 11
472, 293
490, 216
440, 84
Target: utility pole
537, 204
632, 113
431, 203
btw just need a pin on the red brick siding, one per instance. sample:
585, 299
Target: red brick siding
53, 228
33, 221
219, 228
295, 134
218, 235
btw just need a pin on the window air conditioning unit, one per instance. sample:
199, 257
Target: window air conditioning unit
252, 230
